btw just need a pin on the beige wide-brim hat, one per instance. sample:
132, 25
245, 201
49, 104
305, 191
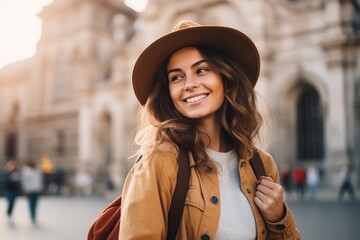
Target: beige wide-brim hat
229, 41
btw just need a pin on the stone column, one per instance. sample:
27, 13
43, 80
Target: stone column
85, 148
117, 140
336, 123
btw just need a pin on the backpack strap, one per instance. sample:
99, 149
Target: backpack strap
257, 165
178, 199
182, 185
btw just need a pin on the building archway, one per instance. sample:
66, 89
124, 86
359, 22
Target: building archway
309, 125
286, 117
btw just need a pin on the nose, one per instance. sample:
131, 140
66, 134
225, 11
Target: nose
190, 85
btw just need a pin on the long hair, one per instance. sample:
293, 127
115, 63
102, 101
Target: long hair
239, 117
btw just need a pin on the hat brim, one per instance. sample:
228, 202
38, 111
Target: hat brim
233, 43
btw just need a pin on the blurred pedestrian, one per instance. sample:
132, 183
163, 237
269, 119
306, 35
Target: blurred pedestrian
47, 169
286, 178
59, 180
300, 181
346, 185
12, 187
32, 182
83, 183
312, 180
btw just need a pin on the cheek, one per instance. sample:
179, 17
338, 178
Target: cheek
219, 99
219, 86
175, 92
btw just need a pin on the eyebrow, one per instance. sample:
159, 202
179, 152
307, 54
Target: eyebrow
192, 66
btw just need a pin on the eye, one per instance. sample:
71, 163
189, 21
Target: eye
202, 70
175, 77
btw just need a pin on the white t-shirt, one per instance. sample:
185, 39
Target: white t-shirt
31, 179
237, 220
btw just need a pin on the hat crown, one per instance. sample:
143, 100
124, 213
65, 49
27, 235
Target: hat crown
184, 24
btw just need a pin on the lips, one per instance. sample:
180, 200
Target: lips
195, 98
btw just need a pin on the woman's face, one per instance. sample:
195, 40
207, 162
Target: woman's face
196, 89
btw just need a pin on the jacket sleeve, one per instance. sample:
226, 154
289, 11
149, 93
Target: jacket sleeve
286, 228
146, 199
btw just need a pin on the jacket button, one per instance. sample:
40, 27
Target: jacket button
214, 199
208, 169
280, 227
241, 164
205, 237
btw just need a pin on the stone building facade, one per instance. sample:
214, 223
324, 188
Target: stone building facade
73, 100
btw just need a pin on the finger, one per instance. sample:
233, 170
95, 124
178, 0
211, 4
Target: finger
267, 197
264, 202
273, 186
266, 177
260, 195
269, 183
276, 192
267, 191
259, 203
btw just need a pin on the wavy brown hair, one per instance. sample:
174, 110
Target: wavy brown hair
240, 119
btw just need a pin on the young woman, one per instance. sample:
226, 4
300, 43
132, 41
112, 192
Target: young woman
196, 85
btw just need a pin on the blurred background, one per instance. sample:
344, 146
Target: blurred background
66, 97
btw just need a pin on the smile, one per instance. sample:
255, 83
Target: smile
196, 98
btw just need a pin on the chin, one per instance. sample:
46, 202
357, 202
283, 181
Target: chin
196, 115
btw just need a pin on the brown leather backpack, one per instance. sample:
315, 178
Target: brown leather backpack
106, 226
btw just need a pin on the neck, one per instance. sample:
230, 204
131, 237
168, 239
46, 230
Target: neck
215, 137
220, 144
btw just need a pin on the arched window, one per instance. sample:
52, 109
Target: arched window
310, 125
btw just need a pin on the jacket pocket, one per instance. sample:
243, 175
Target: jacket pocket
194, 199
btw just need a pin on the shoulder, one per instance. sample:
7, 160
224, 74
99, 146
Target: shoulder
155, 171
162, 158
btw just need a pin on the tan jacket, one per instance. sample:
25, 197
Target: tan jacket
149, 187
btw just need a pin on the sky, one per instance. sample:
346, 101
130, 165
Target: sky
20, 27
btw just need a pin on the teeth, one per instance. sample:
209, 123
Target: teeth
196, 98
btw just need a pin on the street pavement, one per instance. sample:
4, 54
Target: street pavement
69, 218
327, 220
59, 218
